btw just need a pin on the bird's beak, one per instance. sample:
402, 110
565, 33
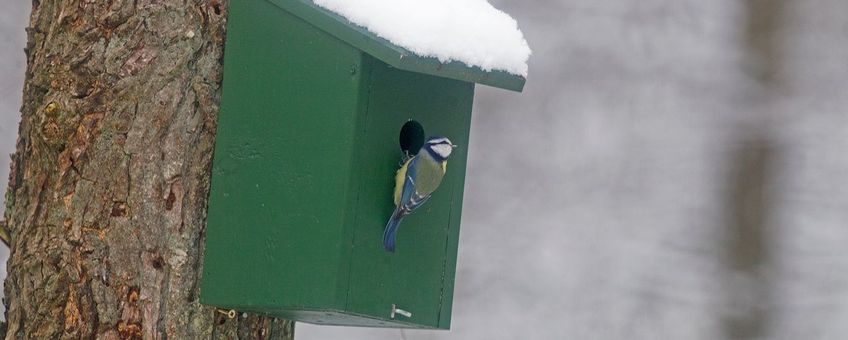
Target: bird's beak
454, 146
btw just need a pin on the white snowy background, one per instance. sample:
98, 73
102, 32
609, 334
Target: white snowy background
675, 169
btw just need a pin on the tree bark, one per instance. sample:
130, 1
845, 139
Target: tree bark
108, 188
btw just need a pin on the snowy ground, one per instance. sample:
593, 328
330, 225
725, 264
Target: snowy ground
607, 200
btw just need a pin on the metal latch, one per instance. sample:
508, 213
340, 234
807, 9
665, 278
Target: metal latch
399, 311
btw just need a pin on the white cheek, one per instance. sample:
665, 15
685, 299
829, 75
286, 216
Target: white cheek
443, 150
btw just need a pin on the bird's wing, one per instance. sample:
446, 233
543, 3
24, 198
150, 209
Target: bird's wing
417, 201
409, 181
400, 181
409, 196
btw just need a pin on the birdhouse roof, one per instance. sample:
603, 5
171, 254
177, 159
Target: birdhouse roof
467, 40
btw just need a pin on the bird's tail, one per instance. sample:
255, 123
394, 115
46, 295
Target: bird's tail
390, 234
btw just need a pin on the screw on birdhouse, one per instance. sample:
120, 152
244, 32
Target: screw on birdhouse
399, 311
229, 313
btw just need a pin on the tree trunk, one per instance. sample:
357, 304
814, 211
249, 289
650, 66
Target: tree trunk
107, 194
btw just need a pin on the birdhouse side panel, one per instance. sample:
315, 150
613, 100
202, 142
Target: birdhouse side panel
281, 189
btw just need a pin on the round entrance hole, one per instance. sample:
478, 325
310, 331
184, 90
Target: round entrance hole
411, 137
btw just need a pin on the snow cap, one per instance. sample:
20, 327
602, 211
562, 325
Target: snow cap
469, 31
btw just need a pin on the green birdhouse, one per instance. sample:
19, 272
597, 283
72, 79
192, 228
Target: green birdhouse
315, 114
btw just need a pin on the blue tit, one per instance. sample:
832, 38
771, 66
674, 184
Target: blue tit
415, 182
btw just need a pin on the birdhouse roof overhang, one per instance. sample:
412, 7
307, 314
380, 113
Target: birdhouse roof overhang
392, 54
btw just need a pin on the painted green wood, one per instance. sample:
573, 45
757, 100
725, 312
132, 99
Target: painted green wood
392, 54
415, 278
283, 159
303, 174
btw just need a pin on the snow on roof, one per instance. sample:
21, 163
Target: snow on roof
469, 31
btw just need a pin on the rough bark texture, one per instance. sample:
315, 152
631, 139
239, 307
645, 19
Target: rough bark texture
107, 195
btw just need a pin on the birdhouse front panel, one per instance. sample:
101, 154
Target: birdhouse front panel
419, 276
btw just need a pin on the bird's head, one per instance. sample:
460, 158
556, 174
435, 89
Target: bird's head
439, 147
